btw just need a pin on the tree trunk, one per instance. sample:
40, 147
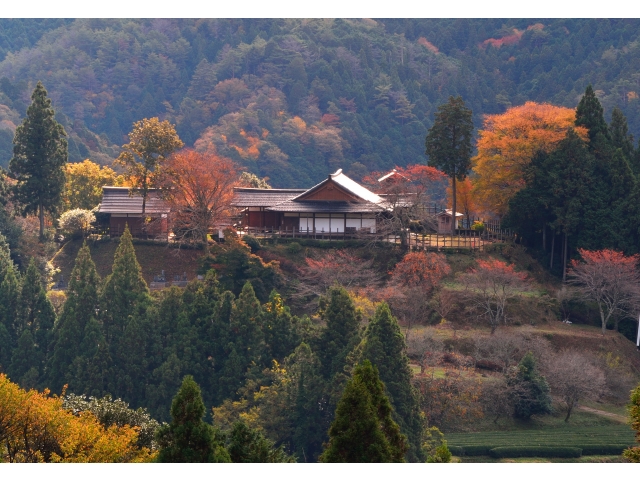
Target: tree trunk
453, 209
553, 244
41, 215
544, 237
569, 409
564, 259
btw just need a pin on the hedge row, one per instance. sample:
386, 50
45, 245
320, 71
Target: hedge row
604, 449
547, 452
536, 451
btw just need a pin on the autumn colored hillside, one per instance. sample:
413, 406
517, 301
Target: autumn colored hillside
295, 99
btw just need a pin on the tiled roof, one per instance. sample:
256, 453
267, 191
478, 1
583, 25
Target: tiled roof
118, 200
262, 197
448, 213
349, 185
318, 206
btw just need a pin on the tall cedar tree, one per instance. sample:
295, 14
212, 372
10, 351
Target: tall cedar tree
448, 143
35, 320
150, 144
342, 331
620, 136
123, 290
188, 439
39, 157
278, 327
248, 445
590, 114
246, 349
609, 204
384, 346
363, 430
530, 389
9, 292
79, 309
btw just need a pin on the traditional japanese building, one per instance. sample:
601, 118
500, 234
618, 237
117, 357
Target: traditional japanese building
337, 205
124, 209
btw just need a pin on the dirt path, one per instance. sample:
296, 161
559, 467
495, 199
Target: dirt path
613, 416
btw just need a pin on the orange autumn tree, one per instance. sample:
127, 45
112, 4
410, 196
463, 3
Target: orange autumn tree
34, 427
199, 189
508, 142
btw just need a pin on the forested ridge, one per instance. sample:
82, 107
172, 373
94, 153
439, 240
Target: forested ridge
294, 99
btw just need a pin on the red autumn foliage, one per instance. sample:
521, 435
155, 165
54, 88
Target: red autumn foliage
490, 286
199, 189
420, 269
330, 119
610, 279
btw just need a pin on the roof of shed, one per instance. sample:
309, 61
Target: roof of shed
118, 200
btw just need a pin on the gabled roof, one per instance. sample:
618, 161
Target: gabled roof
118, 200
345, 183
393, 174
263, 197
447, 212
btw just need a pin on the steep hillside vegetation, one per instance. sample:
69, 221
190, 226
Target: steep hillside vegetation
294, 99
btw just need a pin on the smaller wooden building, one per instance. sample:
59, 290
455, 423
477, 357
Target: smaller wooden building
444, 221
125, 208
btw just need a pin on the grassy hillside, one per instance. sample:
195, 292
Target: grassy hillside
152, 259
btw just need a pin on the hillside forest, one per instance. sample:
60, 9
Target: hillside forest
275, 349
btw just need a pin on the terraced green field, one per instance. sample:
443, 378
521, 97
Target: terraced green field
591, 439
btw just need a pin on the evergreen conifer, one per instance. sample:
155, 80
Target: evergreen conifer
39, 156
342, 331
188, 439
79, 309
363, 430
384, 346
530, 389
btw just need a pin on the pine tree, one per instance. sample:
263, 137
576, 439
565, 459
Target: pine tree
448, 143
245, 324
590, 114
9, 294
530, 389
35, 314
620, 136
123, 290
188, 439
39, 156
341, 333
363, 430
248, 445
278, 327
79, 309
384, 346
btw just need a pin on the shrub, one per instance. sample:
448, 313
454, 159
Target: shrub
76, 222
604, 449
294, 247
547, 452
471, 450
253, 243
478, 226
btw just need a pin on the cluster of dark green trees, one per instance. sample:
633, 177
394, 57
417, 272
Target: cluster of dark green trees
378, 82
113, 337
583, 194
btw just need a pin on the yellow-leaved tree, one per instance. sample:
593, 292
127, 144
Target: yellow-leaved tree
84, 182
34, 427
508, 142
